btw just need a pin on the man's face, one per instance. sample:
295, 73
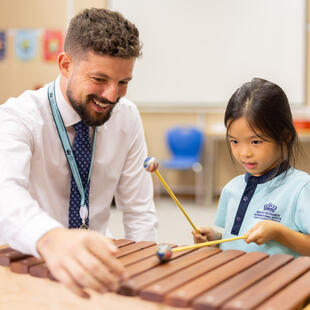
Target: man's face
95, 85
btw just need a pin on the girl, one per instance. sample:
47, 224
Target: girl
271, 202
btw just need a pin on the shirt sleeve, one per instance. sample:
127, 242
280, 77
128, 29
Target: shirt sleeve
302, 214
222, 210
22, 221
134, 194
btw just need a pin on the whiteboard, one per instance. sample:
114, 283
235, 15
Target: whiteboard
198, 52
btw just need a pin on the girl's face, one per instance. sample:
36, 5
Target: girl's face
257, 156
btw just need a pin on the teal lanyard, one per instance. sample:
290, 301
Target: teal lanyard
67, 145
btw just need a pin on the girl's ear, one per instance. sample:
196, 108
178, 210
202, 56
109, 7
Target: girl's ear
64, 64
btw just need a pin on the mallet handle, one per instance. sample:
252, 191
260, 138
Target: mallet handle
175, 199
208, 243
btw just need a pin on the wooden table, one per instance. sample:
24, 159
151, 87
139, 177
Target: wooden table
19, 291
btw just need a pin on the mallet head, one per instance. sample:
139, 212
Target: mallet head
164, 252
151, 164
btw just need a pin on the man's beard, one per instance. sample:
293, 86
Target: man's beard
86, 117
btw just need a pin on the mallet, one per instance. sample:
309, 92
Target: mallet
164, 251
151, 165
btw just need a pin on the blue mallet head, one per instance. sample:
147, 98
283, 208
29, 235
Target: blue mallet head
164, 252
151, 164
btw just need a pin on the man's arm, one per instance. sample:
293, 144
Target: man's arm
134, 194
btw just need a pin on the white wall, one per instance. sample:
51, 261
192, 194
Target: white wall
198, 52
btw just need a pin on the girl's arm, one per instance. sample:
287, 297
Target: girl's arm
267, 230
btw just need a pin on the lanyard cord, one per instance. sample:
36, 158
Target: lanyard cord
67, 145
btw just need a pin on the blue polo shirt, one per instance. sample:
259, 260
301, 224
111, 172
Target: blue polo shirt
247, 200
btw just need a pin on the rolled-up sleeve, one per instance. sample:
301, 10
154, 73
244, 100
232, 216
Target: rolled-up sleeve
22, 221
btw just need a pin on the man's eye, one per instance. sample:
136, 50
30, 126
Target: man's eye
124, 82
98, 80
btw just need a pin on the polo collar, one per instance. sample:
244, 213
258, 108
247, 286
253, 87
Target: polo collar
249, 178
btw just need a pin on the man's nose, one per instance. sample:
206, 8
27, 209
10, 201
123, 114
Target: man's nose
110, 92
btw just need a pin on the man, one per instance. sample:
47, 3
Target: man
41, 192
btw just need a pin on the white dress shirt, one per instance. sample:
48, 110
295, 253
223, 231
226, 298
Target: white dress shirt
35, 176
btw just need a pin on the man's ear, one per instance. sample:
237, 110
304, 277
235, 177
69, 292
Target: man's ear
64, 64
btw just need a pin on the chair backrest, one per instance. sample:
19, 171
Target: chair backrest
185, 141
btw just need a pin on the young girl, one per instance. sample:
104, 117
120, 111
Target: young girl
271, 202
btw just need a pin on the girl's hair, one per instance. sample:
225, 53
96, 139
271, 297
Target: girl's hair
266, 109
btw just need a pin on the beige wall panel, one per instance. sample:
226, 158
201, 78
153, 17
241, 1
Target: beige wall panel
17, 76
32, 13
81, 4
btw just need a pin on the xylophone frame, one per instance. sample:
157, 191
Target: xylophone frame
205, 278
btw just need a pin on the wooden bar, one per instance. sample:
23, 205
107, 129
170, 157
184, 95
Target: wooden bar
294, 296
269, 286
133, 247
150, 262
157, 291
134, 285
214, 298
138, 256
40, 271
183, 296
11, 255
122, 242
23, 266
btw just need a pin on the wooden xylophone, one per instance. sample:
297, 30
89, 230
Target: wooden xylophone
205, 278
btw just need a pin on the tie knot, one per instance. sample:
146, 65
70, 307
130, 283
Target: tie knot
81, 127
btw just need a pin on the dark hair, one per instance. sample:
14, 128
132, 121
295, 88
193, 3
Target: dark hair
103, 32
266, 109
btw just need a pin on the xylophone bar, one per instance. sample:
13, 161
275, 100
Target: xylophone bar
134, 285
249, 299
182, 297
157, 292
217, 296
293, 296
8, 255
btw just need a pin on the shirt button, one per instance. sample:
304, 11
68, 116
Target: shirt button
238, 219
245, 198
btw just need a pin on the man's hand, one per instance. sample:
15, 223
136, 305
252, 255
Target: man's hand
81, 259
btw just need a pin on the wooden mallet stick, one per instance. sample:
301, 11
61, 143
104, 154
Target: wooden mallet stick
164, 251
151, 165
208, 243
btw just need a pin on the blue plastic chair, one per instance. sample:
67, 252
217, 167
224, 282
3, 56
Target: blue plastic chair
185, 144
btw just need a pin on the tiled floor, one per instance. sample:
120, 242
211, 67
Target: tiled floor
173, 226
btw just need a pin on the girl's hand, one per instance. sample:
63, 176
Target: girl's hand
263, 232
205, 234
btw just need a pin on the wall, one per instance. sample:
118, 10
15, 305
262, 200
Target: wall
15, 75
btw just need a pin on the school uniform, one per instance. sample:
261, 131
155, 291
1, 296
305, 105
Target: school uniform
247, 200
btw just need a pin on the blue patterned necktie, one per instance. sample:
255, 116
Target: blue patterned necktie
82, 153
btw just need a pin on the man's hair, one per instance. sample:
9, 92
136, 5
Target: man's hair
103, 32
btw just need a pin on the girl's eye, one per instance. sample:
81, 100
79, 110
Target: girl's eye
233, 141
256, 142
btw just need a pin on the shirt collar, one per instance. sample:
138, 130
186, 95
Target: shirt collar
68, 114
265, 177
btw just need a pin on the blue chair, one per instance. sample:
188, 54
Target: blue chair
185, 144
